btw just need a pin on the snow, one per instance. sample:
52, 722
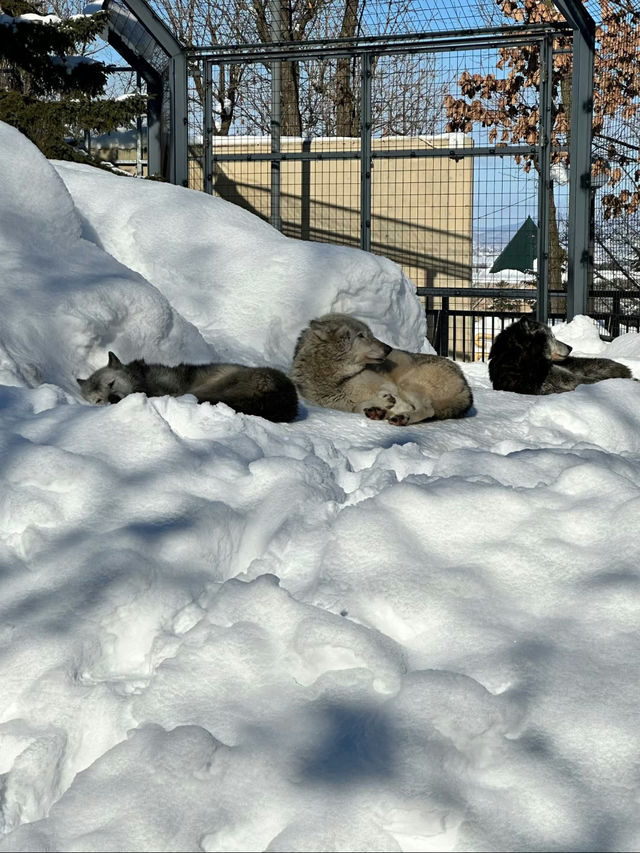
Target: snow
224, 634
29, 18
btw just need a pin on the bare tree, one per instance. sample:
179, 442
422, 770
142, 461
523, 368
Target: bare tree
319, 97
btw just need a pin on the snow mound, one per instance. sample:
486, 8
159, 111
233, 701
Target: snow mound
247, 288
65, 301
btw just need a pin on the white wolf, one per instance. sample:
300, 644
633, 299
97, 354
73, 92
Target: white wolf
262, 391
338, 363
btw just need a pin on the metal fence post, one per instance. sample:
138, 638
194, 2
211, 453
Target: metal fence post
139, 145
365, 151
443, 329
207, 136
178, 164
615, 312
276, 86
544, 177
580, 176
305, 193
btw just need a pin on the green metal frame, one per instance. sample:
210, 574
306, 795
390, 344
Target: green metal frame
583, 31
173, 167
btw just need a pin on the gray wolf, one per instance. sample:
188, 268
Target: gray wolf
528, 359
262, 391
338, 363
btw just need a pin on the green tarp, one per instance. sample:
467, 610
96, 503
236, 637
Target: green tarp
521, 251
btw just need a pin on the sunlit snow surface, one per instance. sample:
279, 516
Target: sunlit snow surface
224, 634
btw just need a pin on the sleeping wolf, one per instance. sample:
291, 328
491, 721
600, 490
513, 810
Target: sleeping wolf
262, 391
338, 363
528, 359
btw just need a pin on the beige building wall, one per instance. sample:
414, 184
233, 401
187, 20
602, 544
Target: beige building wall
421, 207
120, 149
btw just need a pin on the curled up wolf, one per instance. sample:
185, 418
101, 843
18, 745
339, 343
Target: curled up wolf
262, 391
338, 363
527, 358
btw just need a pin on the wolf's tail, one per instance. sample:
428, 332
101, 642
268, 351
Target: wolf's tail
262, 391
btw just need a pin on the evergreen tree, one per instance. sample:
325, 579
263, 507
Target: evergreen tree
48, 90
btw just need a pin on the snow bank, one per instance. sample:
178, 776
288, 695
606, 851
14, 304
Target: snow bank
247, 288
64, 301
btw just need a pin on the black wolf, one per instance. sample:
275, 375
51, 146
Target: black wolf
262, 391
528, 359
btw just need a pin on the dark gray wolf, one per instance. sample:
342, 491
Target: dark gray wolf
528, 359
262, 391
338, 363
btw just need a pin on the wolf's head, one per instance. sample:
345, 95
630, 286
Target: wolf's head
348, 339
108, 384
529, 336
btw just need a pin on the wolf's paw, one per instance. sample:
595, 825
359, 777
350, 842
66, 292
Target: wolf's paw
375, 413
386, 400
399, 420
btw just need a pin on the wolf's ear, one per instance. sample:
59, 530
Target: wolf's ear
114, 361
81, 382
320, 329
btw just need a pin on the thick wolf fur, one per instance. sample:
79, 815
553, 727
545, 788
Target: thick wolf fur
528, 359
262, 391
338, 363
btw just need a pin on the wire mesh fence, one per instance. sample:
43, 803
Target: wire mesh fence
615, 289
441, 204
446, 181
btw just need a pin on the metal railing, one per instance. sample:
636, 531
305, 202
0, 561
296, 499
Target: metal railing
466, 334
